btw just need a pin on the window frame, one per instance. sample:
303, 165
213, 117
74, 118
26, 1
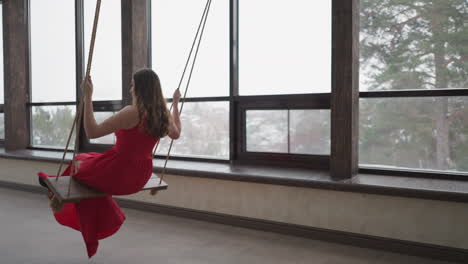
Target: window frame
278, 102
2, 106
2, 111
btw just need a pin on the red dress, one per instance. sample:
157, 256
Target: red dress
123, 169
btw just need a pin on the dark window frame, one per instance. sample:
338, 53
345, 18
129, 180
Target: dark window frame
2, 108
2, 111
278, 102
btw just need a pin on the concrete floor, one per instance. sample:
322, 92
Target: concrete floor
29, 234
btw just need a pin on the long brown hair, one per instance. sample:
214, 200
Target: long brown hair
150, 101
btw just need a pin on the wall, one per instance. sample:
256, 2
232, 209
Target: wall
427, 221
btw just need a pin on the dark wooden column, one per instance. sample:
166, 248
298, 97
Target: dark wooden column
16, 63
345, 89
135, 41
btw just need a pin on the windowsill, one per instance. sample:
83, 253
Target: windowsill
425, 188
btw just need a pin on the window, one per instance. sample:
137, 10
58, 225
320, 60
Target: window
173, 30
283, 81
224, 117
205, 132
53, 72
107, 64
414, 67
283, 49
54, 84
107, 60
252, 97
205, 121
288, 131
51, 125
108, 139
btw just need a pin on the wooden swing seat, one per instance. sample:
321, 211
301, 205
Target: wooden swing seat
80, 191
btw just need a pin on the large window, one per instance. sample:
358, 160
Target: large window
56, 73
106, 70
284, 47
205, 121
173, 30
242, 56
283, 51
261, 87
107, 60
414, 63
53, 72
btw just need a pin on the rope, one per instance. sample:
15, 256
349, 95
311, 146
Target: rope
202, 25
79, 115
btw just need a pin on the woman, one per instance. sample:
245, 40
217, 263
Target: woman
127, 166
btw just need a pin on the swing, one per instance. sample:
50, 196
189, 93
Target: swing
68, 189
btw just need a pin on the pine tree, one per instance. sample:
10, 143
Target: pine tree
408, 44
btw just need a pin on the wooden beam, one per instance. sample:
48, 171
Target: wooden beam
345, 89
135, 41
16, 63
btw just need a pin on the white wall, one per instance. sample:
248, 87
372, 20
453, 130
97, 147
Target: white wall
427, 221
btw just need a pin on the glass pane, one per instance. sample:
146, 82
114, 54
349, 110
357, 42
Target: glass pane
173, 30
51, 126
267, 131
287, 40
2, 126
108, 139
205, 132
106, 70
53, 77
310, 132
413, 45
1, 56
418, 133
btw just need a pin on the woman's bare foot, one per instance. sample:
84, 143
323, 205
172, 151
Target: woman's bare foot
56, 205
76, 166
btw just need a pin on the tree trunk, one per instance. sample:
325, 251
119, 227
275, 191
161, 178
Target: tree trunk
442, 134
441, 105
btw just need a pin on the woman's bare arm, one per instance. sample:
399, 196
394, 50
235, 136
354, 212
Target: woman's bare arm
126, 118
175, 127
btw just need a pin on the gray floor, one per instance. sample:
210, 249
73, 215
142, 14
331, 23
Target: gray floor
29, 234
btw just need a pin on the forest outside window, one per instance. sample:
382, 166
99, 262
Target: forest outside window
295, 131
422, 46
